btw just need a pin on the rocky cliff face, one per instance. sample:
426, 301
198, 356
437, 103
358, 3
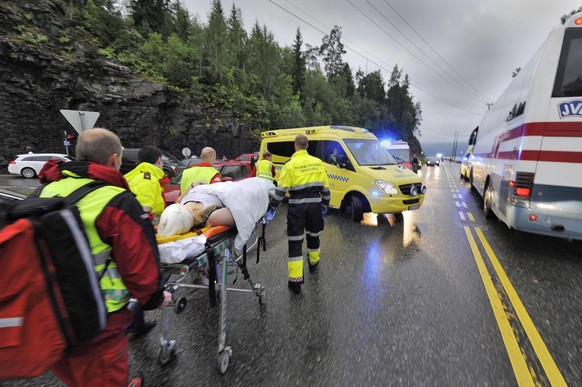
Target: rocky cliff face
42, 71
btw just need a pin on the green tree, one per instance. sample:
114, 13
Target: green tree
237, 38
298, 71
332, 50
182, 24
264, 61
103, 21
216, 49
151, 16
371, 86
404, 115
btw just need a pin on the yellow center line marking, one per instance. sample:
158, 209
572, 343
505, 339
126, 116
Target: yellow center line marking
471, 217
520, 369
547, 361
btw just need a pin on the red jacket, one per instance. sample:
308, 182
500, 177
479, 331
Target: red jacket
123, 225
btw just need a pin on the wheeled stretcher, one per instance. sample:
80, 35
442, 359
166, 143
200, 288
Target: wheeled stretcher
213, 263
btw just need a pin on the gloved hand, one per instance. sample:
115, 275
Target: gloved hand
323, 209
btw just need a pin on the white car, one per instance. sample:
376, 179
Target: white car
30, 164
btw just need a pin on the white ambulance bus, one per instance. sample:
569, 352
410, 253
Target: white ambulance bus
527, 153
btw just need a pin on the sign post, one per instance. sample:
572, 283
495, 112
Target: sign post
186, 152
80, 120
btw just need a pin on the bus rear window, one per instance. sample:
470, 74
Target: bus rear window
569, 76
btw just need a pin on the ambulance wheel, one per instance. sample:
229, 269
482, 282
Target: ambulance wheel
223, 361
487, 200
398, 217
356, 211
165, 354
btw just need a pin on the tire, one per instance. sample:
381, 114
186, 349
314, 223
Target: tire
398, 217
355, 208
487, 199
29, 173
222, 362
165, 355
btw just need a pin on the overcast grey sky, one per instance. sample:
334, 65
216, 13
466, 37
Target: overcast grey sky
482, 42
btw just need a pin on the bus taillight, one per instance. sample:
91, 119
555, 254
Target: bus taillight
520, 191
522, 185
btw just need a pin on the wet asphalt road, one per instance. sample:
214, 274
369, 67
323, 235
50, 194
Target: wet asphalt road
392, 303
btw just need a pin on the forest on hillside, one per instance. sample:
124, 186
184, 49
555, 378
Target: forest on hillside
264, 85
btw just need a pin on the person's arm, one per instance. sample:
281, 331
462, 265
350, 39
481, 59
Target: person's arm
194, 184
273, 170
131, 236
216, 179
281, 190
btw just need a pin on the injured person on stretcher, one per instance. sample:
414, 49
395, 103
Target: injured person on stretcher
237, 204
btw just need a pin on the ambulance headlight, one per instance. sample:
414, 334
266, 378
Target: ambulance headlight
413, 191
386, 187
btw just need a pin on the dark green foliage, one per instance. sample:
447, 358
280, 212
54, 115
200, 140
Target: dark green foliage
240, 77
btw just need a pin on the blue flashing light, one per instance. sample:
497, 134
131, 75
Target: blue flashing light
386, 143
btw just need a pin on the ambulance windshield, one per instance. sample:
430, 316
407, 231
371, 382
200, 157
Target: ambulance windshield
369, 152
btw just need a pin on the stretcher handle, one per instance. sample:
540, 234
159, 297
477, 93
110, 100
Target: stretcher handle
178, 304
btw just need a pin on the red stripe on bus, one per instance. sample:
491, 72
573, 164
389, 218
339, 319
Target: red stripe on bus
550, 129
550, 156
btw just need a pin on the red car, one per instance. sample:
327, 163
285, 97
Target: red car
247, 157
229, 170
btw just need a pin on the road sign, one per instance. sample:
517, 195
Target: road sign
80, 120
186, 152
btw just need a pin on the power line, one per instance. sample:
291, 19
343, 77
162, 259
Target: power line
433, 50
406, 48
378, 65
423, 52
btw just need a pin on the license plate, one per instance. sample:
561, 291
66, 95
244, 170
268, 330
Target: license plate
415, 207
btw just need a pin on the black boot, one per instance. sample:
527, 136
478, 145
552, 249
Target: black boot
295, 287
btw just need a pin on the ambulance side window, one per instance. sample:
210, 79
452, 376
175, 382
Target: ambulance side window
335, 154
281, 149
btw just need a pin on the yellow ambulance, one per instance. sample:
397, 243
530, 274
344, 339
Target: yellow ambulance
363, 176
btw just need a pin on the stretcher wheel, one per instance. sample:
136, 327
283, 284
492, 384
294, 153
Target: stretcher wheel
262, 299
180, 305
223, 361
165, 354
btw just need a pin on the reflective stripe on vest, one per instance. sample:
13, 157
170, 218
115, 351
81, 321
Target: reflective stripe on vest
265, 170
90, 207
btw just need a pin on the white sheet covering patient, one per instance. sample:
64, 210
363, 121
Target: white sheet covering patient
241, 204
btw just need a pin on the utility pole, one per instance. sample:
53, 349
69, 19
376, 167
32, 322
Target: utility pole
454, 153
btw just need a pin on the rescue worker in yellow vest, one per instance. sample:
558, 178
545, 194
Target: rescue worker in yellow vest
145, 180
125, 251
304, 177
203, 172
264, 168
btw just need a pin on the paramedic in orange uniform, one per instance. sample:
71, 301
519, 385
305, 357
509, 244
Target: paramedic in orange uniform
304, 177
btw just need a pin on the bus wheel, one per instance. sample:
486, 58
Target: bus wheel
487, 200
355, 209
